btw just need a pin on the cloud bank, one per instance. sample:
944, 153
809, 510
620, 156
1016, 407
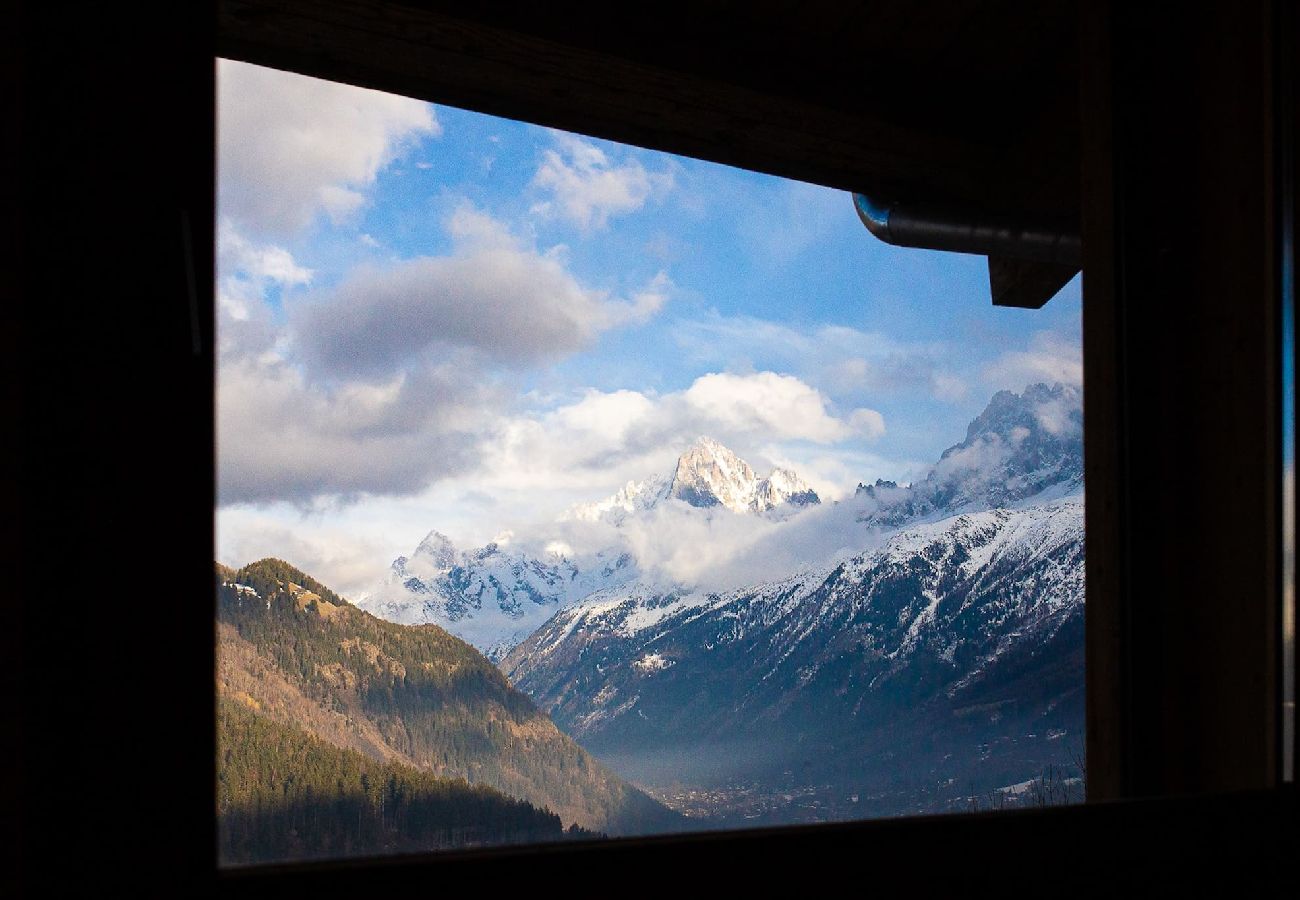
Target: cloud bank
291, 147
513, 305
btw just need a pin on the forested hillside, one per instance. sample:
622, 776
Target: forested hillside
300, 655
285, 795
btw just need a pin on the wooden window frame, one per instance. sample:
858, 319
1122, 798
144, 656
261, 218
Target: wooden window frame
1181, 205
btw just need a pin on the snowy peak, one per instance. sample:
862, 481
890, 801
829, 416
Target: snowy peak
1045, 414
436, 550
632, 497
1018, 447
707, 475
490, 596
784, 486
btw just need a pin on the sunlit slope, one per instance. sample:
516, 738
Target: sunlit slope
301, 655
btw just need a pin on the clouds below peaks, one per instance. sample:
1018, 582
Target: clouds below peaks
293, 147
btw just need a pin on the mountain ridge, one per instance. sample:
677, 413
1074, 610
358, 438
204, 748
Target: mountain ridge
1019, 446
972, 624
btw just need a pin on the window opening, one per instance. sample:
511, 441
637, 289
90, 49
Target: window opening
571, 490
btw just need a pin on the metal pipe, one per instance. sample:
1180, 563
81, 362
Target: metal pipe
937, 227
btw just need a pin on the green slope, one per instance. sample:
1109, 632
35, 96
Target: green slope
285, 795
303, 656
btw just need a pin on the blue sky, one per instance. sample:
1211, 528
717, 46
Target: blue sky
434, 318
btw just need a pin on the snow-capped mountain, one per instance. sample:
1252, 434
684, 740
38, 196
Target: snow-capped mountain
971, 624
1023, 448
707, 475
633, 497
1020, 446
954, 636
494, 596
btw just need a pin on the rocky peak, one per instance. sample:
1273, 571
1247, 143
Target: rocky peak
1020, 445
1054, 412
437, 551
784, 486
708, 474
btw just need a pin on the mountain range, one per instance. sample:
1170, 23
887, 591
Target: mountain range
953, 638
494, 596
957, 646
1019, 447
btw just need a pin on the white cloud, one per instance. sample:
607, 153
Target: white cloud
780, 406
344, 560
607, 417
292, 147
585, 188
578, 450
868, 422
1051, 357
494, 295
261, 262
246, 272
1059, 416
389, 381
281, 438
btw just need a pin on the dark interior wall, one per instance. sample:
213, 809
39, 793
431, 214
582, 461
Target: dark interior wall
109, 483
1181, 398
112, 328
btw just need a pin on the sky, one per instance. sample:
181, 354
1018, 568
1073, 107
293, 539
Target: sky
430, 318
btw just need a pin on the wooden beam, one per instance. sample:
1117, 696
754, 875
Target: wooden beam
482, 65
1025, 284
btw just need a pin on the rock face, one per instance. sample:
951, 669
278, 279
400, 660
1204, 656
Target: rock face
708, 474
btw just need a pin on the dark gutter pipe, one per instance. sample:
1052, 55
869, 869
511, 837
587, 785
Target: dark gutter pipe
938, 227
